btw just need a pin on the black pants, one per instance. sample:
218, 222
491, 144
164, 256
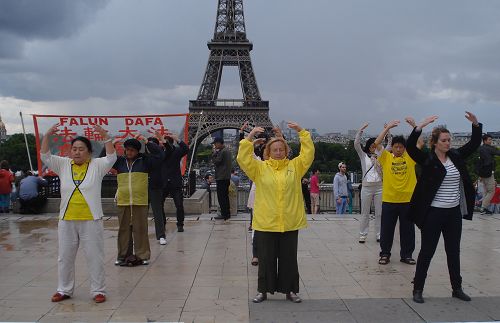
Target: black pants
33, 205
177, 196
449, 222
223, 197
157, 200
278, 268
391, 212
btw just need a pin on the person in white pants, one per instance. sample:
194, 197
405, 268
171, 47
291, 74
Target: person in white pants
371, 186
80, 214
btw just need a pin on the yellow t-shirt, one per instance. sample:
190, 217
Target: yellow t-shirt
78, 209
399, 177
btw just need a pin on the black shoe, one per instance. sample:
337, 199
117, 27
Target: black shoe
219, 217
417, 296
180, 228
293, 297
486, 211
259, 298
459, 293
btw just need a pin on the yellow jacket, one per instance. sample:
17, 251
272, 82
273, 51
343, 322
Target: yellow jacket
279, 205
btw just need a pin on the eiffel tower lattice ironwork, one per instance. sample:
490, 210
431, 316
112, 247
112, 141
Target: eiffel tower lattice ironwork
229, 47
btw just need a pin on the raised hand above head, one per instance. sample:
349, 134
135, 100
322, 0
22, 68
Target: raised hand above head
427, 121
244, 126
295, 126
411, 122
277, 131
53, 130
364, 126
255, 131
101, 131
392, 124
471, 117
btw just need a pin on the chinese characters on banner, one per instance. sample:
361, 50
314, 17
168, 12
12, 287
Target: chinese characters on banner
119, 127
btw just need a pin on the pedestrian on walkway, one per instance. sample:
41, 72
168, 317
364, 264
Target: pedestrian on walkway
132, 198
371, 186
340, 191
172, 177
315, 191
486, 171
397, 188
6, 180
155, 186
443, 196
221, 157
80, 215
278, 210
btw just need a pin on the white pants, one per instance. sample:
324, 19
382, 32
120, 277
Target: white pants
90, 234
370, 192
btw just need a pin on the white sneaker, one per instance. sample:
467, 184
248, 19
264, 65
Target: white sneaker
362, 239
145, 262
378, 237
163, 241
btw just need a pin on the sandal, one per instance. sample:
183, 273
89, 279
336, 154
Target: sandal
255, 261
408, 261
384, 260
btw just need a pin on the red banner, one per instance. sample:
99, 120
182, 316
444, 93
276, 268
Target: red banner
122, 127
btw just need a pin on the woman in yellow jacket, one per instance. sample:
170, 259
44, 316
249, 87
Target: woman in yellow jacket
278, 210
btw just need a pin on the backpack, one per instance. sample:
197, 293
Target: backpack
483, 170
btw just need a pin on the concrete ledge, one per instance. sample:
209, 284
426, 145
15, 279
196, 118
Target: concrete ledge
196, 204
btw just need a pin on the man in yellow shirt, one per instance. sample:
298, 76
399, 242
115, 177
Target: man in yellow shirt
399, 181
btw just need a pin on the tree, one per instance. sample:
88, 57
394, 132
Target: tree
14, 151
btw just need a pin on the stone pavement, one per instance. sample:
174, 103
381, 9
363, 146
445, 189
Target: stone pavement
205, 275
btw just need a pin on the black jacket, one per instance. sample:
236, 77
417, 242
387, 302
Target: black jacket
433, 173
171, 166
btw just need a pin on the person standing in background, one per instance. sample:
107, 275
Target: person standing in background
221, 157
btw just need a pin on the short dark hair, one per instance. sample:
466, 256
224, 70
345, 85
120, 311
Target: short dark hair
486, 137
4, 165
315, 170
207, 176
85, 140
399, 140
154, 139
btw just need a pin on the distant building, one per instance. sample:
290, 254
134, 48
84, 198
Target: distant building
351, 133
3, 130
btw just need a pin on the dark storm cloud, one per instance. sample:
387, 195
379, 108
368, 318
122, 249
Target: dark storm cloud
23, 20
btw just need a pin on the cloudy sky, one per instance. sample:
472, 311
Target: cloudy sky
327, 64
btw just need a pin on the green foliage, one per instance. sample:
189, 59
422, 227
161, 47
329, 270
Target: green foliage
204, 153
14, 151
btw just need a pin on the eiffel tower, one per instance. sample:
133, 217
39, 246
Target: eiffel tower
229, 47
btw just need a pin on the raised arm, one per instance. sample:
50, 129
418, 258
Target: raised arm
44, 148
475, 140
108, 142
306, 154
245, 158
383, 133
357, 140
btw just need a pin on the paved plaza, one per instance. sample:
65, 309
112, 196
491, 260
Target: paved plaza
204, 275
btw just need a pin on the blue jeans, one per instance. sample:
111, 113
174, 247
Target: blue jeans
341, 207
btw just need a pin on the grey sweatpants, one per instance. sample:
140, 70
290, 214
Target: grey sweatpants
370, 192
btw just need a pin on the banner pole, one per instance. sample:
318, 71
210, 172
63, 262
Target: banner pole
26, 141
195, 142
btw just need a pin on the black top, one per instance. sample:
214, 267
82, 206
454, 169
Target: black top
433, 173
171, 166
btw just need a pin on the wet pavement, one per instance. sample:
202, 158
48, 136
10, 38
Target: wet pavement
205, 275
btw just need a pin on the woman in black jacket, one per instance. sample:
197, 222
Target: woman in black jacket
443, 195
